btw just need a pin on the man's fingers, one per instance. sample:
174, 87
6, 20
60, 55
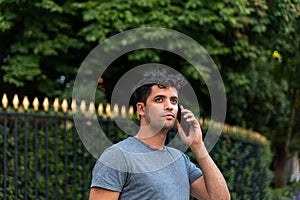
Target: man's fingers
186, 139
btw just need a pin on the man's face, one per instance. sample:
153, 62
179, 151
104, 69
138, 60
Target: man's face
161, 108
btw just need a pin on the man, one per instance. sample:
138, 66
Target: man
142, 167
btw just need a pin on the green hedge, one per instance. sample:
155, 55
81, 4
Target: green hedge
243, 162
289, 192
56, 163
245, 166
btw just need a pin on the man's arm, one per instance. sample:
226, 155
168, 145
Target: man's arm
211, 185
103, 194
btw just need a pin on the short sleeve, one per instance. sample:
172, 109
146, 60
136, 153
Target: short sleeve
193, 171
110, 170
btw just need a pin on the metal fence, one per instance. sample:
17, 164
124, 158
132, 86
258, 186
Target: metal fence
42, 156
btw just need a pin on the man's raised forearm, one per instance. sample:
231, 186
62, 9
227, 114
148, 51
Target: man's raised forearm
214, 181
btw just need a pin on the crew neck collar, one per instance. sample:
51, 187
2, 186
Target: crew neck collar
147, 145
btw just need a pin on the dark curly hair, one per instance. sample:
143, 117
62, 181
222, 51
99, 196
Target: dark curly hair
162, 78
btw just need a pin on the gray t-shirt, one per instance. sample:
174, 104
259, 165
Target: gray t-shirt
138, 171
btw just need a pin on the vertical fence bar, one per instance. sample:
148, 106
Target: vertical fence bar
26, 156
28, 186
25, 104
36, 164
4, 156
74, 134
84, 161
16, 155
56, 157
65, 157
46, 156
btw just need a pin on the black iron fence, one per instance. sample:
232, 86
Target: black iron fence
43, 157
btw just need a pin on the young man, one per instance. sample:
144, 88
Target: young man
142, 167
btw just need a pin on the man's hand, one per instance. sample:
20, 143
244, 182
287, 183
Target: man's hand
194, 137
212, 184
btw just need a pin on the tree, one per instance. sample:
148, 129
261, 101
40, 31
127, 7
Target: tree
238, 34
286, 140
40, 51
43, 44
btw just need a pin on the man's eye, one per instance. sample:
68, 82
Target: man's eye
174, 101
158, 100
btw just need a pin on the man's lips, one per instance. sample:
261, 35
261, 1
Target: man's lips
169, 116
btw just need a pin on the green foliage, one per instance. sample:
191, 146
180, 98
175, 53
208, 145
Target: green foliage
244, 165
43, 44
289, 192
38, 46
54, 162
21, 68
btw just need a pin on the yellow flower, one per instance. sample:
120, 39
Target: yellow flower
276, 54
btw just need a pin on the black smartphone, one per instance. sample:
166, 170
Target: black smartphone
185, 126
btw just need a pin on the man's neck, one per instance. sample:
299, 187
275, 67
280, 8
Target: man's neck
156, 141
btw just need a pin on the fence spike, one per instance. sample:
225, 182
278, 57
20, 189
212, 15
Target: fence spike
46, 104
116, 111
123, 111
108, 110
65, 106
234, 129
36, 104
201, 121
16, 101
131, 112
74, 106
56, 105
82, 107
25, 103
225, 128
92, 108
4, 101
100, 109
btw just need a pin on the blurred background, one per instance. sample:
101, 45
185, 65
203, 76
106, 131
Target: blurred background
254, 43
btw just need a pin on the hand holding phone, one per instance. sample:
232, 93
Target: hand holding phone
184, 125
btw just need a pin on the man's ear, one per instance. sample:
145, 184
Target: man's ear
140, 108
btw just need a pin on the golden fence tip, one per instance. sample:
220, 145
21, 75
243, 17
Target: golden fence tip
123, 112
56, 105
74, 106
92, 108
36, 104
46, 104
4, 101
201, 121
131, 112
82, 106
16, 101
100, 109
65, 106
116, 110
25, 103
108, 110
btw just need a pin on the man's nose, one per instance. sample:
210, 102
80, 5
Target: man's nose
169, 105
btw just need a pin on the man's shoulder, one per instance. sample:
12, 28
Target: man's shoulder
124, 145
124, 142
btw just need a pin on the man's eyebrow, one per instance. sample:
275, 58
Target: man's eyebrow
163, 96
160, 96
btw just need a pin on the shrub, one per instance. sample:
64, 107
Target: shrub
244, 163
46, 159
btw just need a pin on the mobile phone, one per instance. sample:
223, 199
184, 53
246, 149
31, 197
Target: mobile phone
185, 126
